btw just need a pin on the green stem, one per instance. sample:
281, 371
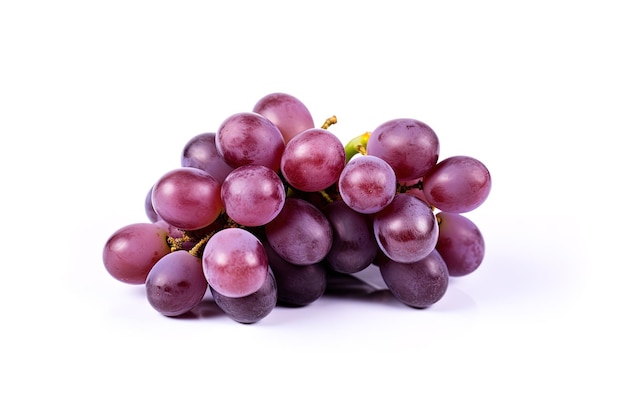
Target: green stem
357, 145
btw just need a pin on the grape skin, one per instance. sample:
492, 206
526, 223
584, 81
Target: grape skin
234, 262
300, 234
287, 112
201, 152
187, 198
131, 251
248, 138
176, 283
410, 146
251, 308
253, 195
313, 160
419, 284
458, 184
367, 184
460, 243
406, 230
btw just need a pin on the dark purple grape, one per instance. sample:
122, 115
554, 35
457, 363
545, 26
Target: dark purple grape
176, 283
460, 243
419, 284
354, 245
251, 308
152, 215
200, 152
298, 285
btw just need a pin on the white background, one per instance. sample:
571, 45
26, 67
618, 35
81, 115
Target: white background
98, 98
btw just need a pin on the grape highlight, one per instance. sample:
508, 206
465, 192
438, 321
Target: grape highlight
269, 211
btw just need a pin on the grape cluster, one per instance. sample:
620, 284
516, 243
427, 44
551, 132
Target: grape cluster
267, 208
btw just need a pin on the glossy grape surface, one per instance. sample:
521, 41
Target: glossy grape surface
460, 243
287, 112
201, 152
367, 184
406, 230
457, 184
410, 146
176, 283
131, 251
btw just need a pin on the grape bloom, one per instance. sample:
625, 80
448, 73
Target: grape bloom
267, 209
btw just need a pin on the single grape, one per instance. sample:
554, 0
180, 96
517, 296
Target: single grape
354, 246
298, 285
418, 284
176, 283
250, 308
200, 152
406, 230
234, 262
249, 139
367, 184
253, 195
460, 243
411, 147
287, 112
187, 198
457, 184
149, 208
131, 251
300, 233
313, 160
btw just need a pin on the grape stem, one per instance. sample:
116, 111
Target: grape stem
357, 145
329, 122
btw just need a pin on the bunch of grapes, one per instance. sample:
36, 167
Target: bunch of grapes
265, 209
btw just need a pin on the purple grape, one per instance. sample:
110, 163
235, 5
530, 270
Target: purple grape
367, 184
187, 198
288, 113
457, 184
251, 308
131, 251
354, 245
419, 284
200, 152
149, 208
300, 233
176, 283
234, 262
253, 195
460, 243
298, 285
249, 139
313, 160
411, 147
406, 230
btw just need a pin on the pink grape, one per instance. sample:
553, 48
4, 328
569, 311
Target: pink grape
131, 251
460, 243
253, 195
234, 262
176, 283
187, 198
457, 184
406, 230
249, 139
313, 160
367, 184
300, 234
200, 152
411, 147
418, 284
287, 112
